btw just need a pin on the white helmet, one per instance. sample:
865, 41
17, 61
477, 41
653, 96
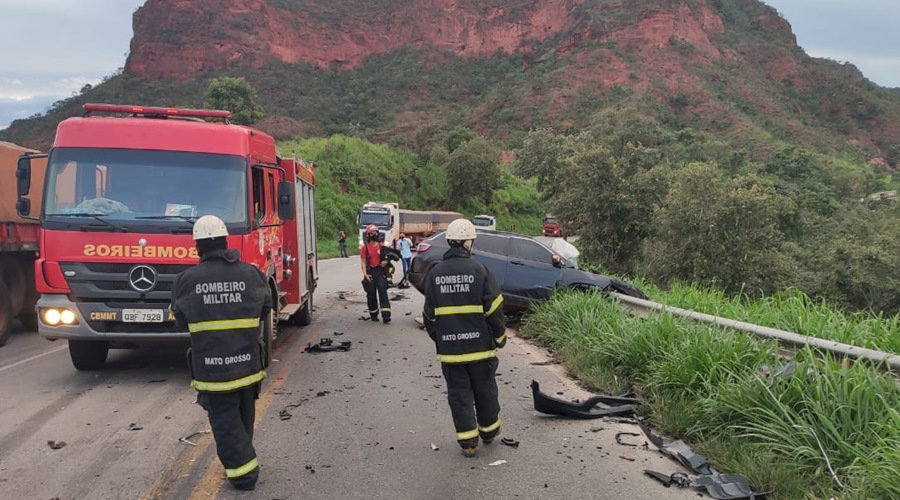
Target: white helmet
460, 230
209, 226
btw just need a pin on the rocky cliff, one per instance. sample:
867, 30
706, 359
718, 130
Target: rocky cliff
394, 67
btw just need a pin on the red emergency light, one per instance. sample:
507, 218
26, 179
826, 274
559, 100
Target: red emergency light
150, 110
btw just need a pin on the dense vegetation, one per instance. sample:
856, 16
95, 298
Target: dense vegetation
811, 428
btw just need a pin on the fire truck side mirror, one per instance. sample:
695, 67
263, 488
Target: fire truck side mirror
23, 175
286, 200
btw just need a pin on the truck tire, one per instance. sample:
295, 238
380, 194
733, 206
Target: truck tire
13, 276
5, 314
88, 354
303, 317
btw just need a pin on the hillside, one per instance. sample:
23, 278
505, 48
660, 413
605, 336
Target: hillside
401, 69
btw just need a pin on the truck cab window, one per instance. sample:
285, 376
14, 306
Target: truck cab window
259, 193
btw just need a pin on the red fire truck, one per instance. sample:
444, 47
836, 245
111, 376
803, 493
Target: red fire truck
123, 187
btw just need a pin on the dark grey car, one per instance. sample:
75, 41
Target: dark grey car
525, 269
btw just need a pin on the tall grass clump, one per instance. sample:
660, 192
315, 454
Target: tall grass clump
809, 428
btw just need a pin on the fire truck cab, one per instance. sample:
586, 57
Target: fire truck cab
121, 195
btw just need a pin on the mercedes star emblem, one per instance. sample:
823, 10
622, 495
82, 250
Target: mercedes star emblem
142, 278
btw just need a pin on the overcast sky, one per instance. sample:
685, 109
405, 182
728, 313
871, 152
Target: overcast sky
52, 48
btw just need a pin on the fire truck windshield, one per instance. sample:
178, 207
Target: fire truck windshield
380, 219
144, 187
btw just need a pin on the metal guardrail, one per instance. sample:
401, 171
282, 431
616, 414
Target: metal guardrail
890, 360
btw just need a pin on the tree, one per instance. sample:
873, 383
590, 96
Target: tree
235, 95
473, 172
457, 137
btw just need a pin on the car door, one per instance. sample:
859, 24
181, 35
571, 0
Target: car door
492, 250
530, 275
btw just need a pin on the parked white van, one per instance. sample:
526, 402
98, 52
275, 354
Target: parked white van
485, 222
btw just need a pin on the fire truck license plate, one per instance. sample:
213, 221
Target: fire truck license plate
142, 315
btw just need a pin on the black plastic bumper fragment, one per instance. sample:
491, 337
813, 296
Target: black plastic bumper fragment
328, 345
595, 407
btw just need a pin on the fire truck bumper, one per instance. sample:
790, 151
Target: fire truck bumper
60, 318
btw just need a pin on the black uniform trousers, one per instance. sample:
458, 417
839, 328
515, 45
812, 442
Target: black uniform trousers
376, 292
231, 417
474, 405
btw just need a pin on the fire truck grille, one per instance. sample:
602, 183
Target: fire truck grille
112, 282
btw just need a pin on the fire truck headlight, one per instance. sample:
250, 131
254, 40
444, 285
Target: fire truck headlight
67, 317
52, 317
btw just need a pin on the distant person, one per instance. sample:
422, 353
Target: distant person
374, 268
464, 317
342, 243
404, 244
224, 326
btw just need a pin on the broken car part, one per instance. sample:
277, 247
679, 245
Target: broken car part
594, 407
510, 442
718, 486
328, 345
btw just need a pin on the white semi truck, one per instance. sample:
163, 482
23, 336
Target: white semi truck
391, 221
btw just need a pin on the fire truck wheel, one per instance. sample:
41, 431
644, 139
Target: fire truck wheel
5, 314
268, 336
88, 354
303, 317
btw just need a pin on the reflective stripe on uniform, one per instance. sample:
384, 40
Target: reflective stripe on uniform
385, 309
467, 435
494, 305
231, 385
490, 428
467, 358
448, 310
501, 338
223, 324
242, 470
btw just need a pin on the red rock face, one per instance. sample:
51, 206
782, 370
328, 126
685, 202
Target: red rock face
179, 38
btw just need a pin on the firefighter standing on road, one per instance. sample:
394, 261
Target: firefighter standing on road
374, 264
464, 317
221, 301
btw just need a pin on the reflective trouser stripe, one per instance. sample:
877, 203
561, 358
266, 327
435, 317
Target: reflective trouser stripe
385, 309
490, 428
230, 385
494, 305
467, 435
467, 358
501, 338
223, 324
242, 470
447, 310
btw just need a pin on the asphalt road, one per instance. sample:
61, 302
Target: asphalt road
361, 424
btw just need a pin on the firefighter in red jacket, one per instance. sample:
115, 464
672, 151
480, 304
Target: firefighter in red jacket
221, 301
374, 264
464, 317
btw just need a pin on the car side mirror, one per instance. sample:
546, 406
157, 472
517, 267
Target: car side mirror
285, 200
557, 262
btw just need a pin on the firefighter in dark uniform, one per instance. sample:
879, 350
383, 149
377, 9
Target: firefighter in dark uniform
374, 262
464, 316
221, 301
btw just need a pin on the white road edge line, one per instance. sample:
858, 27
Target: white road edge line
36, 356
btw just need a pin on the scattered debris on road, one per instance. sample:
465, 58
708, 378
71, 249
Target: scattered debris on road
328, 345
594, 407
55, 445
435, 447
135, 427
623, 443
630, 459
337, 333
187, 439
510, 442
156, 381
498, 462
285, 413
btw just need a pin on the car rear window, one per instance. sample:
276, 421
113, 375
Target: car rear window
530, 250
492, 244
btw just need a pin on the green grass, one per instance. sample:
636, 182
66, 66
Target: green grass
713, 388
